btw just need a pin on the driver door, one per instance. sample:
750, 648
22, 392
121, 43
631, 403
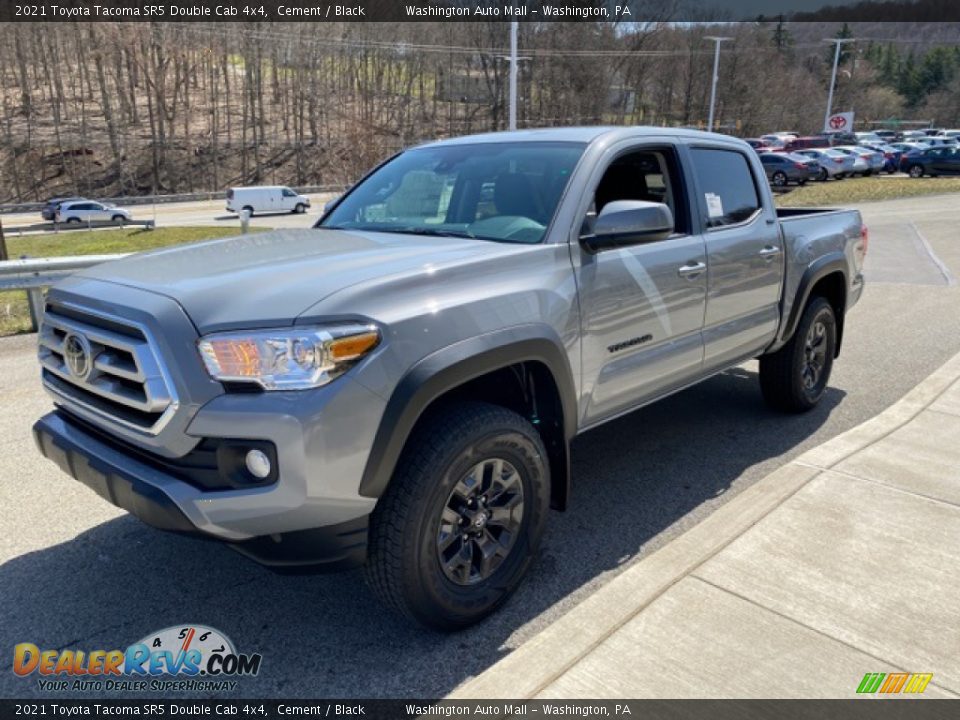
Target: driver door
642, 305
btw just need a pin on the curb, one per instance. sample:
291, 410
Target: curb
544, 658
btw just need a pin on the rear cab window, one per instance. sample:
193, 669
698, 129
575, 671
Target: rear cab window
726, 182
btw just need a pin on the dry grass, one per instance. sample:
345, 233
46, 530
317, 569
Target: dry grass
14, 312
857, 190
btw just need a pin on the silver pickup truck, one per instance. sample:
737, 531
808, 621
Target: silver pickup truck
399, 385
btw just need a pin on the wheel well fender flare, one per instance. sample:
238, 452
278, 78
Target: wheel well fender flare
829, 264
448, 368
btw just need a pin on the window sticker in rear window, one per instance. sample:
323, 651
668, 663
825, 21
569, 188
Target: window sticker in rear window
714, 205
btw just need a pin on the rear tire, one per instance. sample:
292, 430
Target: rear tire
73, 221
794, 378
445, 513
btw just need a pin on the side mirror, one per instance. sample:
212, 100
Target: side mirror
330, 203
628, 222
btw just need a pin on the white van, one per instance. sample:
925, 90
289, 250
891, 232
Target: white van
266, 199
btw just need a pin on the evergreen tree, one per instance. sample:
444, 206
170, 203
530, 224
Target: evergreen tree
845, 52
782, 39
908, 82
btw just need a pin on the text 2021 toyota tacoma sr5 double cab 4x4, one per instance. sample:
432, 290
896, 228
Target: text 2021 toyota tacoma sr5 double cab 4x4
399, 385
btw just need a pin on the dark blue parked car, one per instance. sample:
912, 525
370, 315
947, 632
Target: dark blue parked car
933, 162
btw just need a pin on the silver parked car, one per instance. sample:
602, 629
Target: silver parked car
82, 211
863, 164
833, 164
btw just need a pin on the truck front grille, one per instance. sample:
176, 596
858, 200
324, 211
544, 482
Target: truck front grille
106, 366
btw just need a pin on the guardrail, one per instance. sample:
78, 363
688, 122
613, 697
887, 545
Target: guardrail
74, 226
35, 274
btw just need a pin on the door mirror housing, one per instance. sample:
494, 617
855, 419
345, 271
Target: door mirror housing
330, 203
628, 222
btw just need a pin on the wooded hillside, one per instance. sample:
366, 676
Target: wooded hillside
107, 109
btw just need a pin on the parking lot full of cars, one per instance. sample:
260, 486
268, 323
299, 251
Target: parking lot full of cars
790, 158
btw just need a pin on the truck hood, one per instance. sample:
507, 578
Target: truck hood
268, 279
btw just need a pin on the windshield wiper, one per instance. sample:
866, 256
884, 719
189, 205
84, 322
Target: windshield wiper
417, 230
414, 230
436, 232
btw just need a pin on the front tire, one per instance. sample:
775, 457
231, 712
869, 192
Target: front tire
460, 523
779, 179
299, 209
916, 171
794, 378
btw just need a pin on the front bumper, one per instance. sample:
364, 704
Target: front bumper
148, 493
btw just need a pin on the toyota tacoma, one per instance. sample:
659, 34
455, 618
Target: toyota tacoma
399, 385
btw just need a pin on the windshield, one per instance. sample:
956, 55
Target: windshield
506, 192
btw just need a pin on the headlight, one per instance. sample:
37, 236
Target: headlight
287, 359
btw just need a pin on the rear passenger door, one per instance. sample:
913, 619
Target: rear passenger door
641, 305
744, 255
82, 211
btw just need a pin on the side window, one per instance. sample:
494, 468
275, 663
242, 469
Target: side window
651, 174
287, 192
727, 183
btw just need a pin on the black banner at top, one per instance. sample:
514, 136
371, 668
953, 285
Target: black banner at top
479, 10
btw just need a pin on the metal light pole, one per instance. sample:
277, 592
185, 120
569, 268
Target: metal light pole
833, 76
716, 76
514, 26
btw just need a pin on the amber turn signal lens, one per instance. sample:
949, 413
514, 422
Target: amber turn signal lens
353, 346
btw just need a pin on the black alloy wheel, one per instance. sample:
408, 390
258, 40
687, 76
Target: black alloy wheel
480, 522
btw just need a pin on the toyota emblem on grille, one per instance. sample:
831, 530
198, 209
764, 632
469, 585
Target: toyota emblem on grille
77, 356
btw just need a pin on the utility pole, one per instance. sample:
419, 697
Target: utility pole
833, 76
514, 27
716, 76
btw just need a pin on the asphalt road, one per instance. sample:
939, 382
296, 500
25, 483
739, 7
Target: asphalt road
201, 212
76, 573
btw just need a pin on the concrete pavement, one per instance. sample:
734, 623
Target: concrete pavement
842, 562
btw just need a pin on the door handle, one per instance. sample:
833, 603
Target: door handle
769, 252
691, 269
